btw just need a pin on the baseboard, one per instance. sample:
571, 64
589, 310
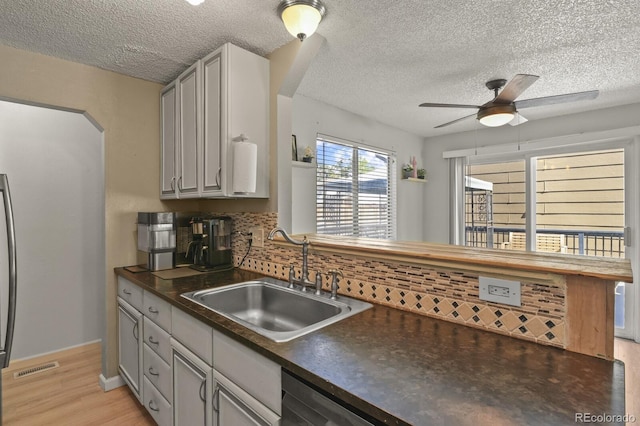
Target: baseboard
79, 346
111, 383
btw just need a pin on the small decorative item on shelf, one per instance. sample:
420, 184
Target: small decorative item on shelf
422, 173
308, 155
407, 171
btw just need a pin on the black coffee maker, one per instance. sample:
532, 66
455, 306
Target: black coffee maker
210, 247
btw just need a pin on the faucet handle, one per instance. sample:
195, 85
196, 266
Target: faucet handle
318, 283
292, 275
334, 282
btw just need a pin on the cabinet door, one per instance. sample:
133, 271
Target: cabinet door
233, 406
168, 144
212, 69
188, 98
191, 389
130, 347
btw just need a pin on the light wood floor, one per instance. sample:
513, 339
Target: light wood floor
70, 394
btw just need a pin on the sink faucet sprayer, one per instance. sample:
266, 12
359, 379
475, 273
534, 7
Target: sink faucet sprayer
304, 278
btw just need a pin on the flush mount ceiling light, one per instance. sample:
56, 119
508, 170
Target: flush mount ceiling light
195, 2
301, 17
496, 116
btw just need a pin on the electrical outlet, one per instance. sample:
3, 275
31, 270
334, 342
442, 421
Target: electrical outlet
499, 290
258, 237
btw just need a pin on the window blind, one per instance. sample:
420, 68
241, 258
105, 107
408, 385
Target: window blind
355, 190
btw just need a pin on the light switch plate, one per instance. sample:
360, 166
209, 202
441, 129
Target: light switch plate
500, 291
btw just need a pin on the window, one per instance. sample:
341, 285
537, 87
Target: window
571, 199
355, 190
579, 204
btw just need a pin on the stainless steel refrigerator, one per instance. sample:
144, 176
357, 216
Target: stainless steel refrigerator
8, 287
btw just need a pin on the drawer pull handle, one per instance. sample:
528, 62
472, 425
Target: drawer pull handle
153, 310
153, 373
135, 331
151, 407
154, 342
127, 292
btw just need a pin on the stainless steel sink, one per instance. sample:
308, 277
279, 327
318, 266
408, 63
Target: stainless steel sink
271, 309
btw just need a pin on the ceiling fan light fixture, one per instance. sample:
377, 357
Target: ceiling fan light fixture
301, 17
496, 116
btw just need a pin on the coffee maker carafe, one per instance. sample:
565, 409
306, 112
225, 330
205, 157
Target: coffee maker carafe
210, 247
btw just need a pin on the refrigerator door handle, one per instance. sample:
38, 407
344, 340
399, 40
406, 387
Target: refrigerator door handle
5, 351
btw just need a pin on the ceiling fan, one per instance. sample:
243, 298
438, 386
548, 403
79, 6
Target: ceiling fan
502, 109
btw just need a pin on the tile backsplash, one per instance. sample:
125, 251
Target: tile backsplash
447, 295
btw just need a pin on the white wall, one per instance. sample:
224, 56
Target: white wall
311, 117
437, 191
54, 162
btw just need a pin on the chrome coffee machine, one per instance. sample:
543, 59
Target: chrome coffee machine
210, 246
157, 240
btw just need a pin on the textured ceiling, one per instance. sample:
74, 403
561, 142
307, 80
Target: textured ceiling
381, 59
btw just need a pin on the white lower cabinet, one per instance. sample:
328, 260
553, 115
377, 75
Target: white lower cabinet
192, 388
130, 346
185, 373
234, 407
158, 372
156, 404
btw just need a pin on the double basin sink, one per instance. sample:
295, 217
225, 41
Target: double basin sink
268, 307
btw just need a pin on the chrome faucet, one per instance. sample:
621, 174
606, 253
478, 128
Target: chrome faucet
304, 278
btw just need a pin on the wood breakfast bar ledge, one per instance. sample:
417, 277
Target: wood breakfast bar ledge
588, 282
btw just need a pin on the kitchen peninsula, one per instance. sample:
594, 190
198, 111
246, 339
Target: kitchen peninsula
399, 367
567, 301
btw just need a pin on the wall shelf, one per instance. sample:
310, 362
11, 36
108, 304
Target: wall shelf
303, 164
415, 180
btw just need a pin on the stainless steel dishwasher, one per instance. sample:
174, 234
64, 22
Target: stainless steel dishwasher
304, 406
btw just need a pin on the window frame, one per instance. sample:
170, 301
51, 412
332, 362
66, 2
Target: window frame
529, 152
391, 232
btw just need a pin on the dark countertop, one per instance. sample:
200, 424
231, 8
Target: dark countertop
403, 368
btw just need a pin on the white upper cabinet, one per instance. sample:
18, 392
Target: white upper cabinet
188, 132
218, 99
168, 143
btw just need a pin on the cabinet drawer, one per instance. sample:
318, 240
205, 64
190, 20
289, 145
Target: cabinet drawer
157, 372
130, 292
194, 334
234, 406
157, 310
255, 374
157, 339
158, 407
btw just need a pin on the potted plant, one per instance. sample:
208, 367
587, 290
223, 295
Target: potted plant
407, 169
308, 155
422, 173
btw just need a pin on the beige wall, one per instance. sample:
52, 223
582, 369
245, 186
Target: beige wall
128, 111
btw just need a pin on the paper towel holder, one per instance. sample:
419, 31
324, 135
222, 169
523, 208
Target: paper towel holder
240, 138
245, 165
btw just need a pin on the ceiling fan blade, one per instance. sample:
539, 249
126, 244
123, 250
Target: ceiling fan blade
432, 105
514, 88
518, 119
557, 99
454, 121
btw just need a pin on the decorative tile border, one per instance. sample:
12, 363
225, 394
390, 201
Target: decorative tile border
450, 296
